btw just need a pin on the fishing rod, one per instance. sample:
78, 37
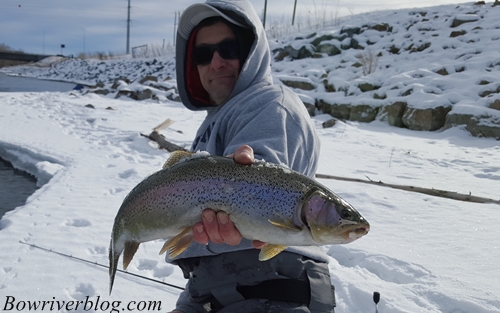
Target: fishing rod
376, 295
95, 263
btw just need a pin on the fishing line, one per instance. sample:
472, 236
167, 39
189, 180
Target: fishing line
95, 263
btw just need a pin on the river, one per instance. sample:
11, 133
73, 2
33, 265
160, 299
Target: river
15, 185
27, 84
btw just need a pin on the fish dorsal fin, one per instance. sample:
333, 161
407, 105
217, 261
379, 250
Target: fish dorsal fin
176, 245
269, 251
286, 225
176, 156
130, 250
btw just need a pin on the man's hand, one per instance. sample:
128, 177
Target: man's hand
217, 227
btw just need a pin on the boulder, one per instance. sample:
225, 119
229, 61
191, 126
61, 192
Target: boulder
477, 126
328, 49
393, 114
363, 113
341, 111
459, 21
148, 78
495, 105
425, 119
329, 123
144, 94
298, 84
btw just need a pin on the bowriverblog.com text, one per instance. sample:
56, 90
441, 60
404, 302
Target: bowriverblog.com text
13, 304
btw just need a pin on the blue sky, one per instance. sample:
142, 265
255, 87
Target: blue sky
42, 26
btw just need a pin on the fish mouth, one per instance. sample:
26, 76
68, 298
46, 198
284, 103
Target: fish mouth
357, 232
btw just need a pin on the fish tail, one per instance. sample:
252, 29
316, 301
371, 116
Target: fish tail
113, 264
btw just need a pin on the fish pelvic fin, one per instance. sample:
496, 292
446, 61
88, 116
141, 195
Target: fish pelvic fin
286, 225
270, 251
176, 245
130, 250
175, 157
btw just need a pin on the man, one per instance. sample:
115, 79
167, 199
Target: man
223, 67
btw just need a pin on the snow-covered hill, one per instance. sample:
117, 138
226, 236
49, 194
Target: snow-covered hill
423, 69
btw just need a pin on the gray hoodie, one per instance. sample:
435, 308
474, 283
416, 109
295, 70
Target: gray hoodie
270, 118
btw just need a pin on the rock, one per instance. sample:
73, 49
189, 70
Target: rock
495, 105
482, 126
329, 87
425, 119
144, 94
381, 27
363, 113
340, 111
419, 48
100, 91
457, 21
457, 33
90, 106
126, 93
328, 49
364, 87
148, 78
311, 109
442, 71
329, 123
318, 40
304, 85
350, 30
302, 53
394, 50
393, 114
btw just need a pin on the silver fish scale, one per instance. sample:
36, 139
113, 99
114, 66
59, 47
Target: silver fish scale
259, 190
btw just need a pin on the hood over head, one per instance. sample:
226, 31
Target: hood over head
255, 57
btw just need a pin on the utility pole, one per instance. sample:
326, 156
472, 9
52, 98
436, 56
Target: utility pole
294, 8
83, 40
265, 12
175, 24
128, 28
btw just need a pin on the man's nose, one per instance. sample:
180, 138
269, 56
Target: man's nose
217, 60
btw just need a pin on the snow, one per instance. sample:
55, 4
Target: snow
423, 253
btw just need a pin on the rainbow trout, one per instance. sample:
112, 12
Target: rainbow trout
265, 201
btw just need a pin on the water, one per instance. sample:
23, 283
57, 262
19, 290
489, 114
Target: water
15, 187
26, 84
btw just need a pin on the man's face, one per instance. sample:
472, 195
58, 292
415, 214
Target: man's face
220, 75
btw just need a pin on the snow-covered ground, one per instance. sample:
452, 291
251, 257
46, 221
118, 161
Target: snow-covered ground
423, 253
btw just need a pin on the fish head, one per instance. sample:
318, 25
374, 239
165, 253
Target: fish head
331, 220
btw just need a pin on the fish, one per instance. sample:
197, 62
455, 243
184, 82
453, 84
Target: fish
265, 201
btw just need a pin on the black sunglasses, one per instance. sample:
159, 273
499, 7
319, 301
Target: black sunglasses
228, 49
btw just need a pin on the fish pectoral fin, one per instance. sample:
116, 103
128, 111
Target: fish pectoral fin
286, 225
176, 245
269, 251
175, 157
129, 252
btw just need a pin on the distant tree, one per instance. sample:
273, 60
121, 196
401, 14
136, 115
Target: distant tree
4, 48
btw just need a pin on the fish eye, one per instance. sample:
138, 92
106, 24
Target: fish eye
345, 214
